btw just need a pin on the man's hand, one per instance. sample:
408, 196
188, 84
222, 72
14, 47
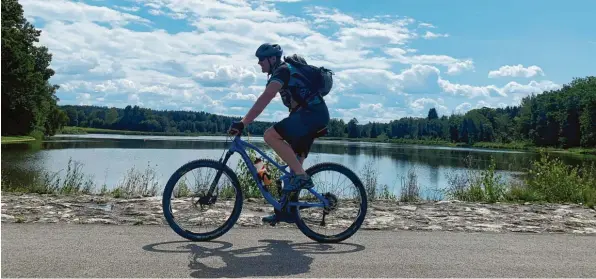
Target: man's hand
236, 128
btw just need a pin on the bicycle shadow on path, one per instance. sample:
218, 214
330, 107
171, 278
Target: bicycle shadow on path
277, 258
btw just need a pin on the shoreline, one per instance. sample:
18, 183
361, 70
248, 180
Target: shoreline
479, 145
576, 151
382, 215
17, 139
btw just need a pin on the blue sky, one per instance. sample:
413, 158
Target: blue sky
392, 58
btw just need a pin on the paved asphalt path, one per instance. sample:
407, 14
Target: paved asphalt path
57, 250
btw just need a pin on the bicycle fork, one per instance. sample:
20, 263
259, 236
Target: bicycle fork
209, 198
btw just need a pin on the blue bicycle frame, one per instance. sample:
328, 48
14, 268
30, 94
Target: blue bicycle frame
238, 145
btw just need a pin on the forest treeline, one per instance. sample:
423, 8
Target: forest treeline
559, 118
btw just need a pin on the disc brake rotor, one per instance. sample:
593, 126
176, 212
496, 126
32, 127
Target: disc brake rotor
333, 203
203, 200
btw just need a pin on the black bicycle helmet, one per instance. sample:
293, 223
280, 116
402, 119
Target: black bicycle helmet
267, 50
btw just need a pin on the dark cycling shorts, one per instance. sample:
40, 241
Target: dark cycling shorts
300, 126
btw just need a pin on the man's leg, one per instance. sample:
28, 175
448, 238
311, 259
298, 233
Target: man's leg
283, 149
289, 128
294, 129
283, 216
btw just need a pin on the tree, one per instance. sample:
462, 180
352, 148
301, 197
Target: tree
374, 130
353, 129
28, 99
432, 114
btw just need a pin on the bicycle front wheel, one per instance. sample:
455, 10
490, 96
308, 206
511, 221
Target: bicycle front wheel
188, 208
346, 212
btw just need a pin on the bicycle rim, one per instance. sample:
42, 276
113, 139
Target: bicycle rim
347, 214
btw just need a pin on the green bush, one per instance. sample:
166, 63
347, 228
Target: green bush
486, 186
556, 182
547, 180
247, 182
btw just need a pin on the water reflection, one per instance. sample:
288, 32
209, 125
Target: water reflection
108, 157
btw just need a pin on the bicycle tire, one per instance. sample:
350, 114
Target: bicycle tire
363, 208
166, 202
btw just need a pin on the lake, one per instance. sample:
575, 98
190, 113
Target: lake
107, 158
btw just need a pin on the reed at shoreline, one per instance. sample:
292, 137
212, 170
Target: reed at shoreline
547, 180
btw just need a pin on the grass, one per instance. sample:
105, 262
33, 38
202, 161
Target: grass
136, 183
369, 175
547, 180
16, 139
473, 186
72, 181
410, 190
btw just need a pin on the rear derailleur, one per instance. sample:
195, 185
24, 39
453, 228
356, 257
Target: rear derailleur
331, 207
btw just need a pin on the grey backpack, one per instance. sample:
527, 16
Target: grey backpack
318, 79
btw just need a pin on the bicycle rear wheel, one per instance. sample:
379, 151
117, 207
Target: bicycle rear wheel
188, 200
310, 220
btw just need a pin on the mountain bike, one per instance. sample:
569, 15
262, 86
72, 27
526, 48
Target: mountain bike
217, 198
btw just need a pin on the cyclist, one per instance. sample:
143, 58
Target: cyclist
291, 138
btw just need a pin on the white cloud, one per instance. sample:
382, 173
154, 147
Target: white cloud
225, 75
454, 66
493, 96
248, 27
516, 71
76, 12
426, 25
128, 9
463, 108
517, 91
532, 87
286, 1
212, 8
240, 96
511, 88
374, 35
367, 32
424, 104
210, 65
483, 103
469, 91
415, 79
431, 35
369, 112
323, 15
84, 98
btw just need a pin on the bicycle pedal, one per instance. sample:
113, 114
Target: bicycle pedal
271, 223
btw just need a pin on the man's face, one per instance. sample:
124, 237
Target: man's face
265, 65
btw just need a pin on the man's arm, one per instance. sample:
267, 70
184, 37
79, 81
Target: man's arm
272, 88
